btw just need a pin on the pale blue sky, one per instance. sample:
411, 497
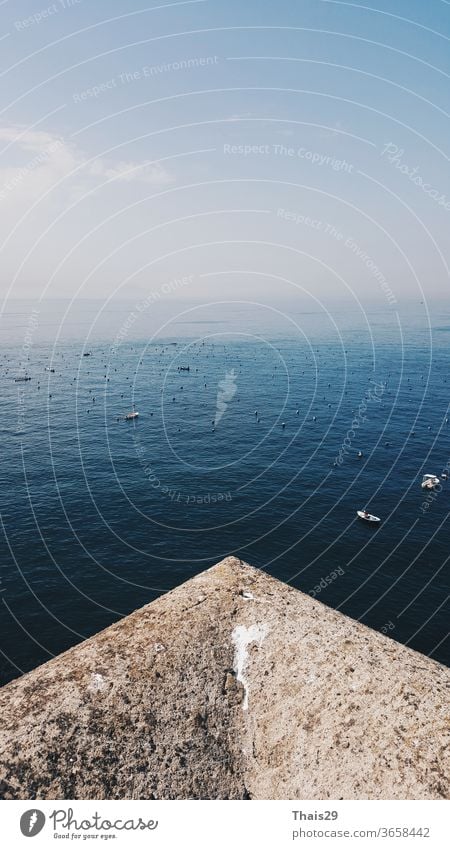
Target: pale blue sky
123, 128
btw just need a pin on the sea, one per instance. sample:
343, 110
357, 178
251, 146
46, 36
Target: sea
262, 429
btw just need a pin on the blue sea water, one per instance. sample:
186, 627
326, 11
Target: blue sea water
235, 456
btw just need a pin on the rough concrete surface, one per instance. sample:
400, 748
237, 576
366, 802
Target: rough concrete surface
232, 686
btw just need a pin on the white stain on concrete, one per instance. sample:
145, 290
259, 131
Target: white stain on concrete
242, 637
97, 682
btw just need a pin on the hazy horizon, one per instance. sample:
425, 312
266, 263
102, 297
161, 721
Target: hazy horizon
302, 147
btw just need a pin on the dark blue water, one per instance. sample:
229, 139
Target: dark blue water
100, 516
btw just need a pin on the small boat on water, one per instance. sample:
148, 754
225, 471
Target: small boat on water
21, 379
367, 517
429, 481
130, 416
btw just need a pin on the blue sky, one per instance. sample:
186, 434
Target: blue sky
269, 150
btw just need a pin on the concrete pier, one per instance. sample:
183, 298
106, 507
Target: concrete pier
232, 686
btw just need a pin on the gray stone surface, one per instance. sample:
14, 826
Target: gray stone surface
236, 686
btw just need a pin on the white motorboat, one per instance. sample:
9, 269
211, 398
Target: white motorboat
429, 481
367, 517
130, 416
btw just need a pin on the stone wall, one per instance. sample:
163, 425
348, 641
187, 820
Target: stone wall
235, 686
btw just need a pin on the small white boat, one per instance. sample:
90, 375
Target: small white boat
429, 481
130, 416
367, 517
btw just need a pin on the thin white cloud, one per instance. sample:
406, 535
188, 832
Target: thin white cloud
144, 172
32, 162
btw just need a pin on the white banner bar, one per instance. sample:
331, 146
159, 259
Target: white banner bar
205, 824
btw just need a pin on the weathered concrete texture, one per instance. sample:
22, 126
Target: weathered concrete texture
234, 686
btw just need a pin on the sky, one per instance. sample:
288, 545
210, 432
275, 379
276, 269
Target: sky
265, 151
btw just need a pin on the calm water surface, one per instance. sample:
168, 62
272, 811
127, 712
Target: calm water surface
100, 516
